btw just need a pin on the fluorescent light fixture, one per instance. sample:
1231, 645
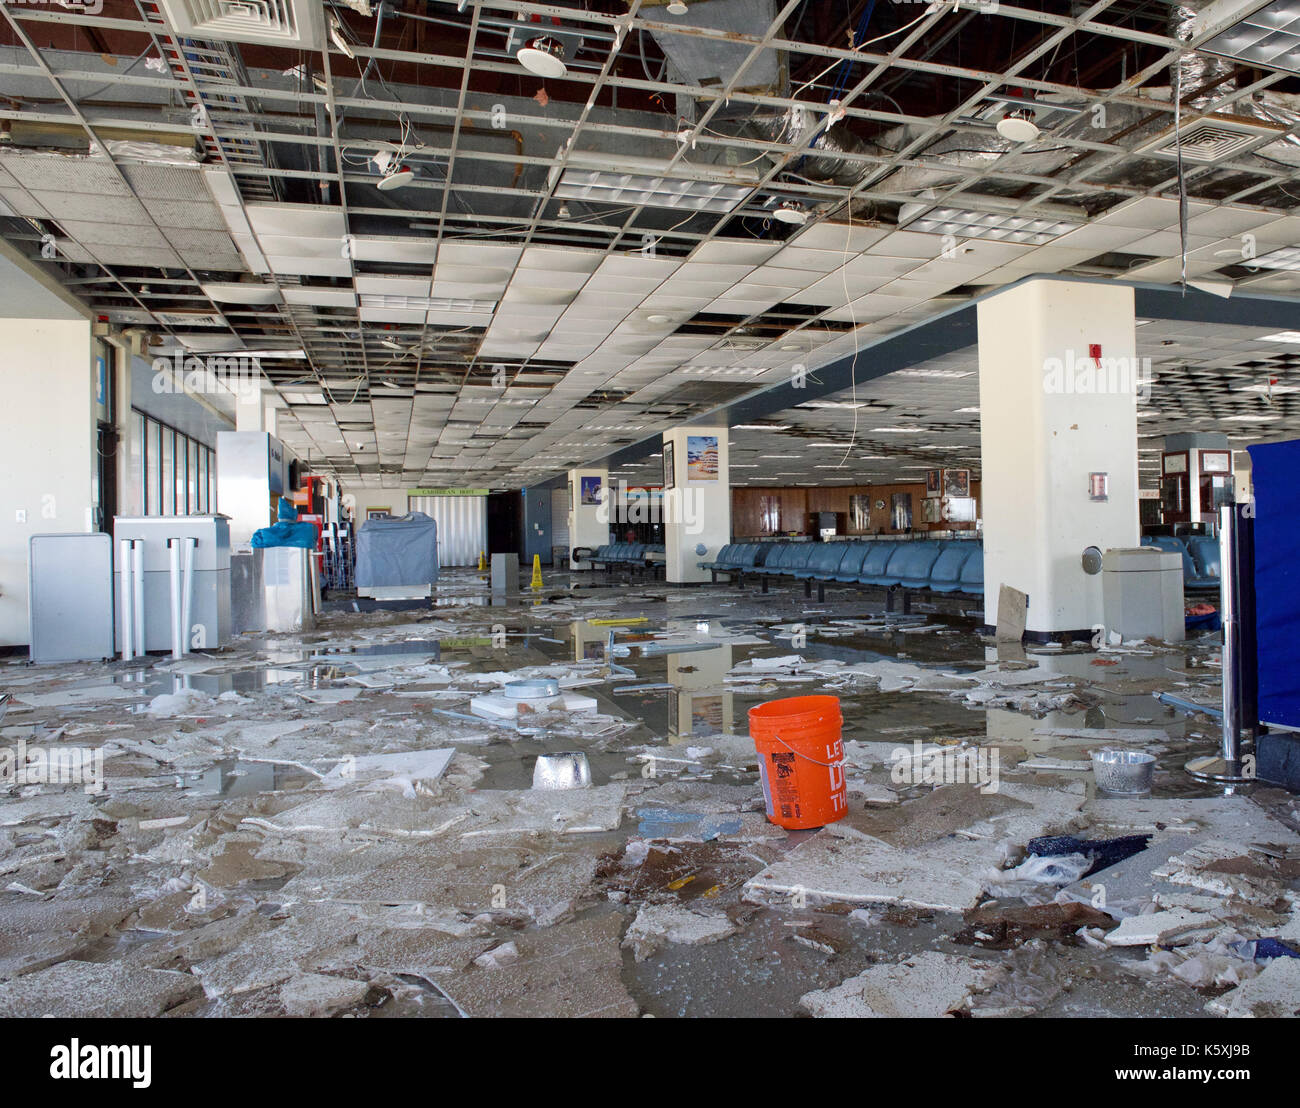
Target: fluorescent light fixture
761, 426
426, 303
899, 431
1282, 336
617, 179
1286, 257
780, 457
1268, 36
850, 404
304, 397
945, 374
967, 411
1253, 417
997, 226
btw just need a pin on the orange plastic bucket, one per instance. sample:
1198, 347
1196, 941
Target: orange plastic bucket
801, 760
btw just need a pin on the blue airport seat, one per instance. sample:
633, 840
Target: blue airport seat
945, 574
1204, 552
876, 563
972, 572
916, 562
851, 565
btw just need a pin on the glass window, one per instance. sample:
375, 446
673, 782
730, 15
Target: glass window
135, 465
192, 478
203, 479
167, 478
153, 468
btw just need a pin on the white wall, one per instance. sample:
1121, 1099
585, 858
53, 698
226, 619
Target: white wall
1038, 448
586, 525
46, 447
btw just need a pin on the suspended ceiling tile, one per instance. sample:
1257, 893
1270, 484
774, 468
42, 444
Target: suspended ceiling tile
1167, 244
21, 203
65, 173
1280, 232
71, 252
316, 221
412, 251
814, 261
557, 259
216, 242
138, 256
728, 252
495, 255
638, 265
1228, 221
392, 315
310, 266
190, 214
97, 209
164, 182
320, 298
113, 234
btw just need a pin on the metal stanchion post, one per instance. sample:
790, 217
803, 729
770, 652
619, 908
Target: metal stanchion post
1227, 765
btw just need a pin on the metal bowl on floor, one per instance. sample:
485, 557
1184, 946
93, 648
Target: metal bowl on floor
532, 690
1123, 772
567, 769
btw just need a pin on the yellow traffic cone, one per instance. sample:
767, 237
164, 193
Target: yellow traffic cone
482, 561
537, 572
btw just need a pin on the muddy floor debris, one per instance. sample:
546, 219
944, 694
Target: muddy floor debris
342, 823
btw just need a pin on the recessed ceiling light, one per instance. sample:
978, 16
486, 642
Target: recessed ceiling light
792, 212
676, 7
997, 226
543, 56
1018, 125
395, 177
659, 318
1269, 35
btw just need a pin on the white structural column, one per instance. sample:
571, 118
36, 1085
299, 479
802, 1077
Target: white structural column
589, 519
250, 411
697, 506
1058, 430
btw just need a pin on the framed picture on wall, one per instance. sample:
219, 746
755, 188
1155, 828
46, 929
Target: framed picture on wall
900, 514
668, 465
859, 513
701, 457
591, 491
956, 482
933, 482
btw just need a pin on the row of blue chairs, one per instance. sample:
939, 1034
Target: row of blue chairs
1200, 553
949, 566
635, 555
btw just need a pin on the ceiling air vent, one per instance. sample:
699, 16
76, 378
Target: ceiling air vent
297, 24
1211, 138
189, 319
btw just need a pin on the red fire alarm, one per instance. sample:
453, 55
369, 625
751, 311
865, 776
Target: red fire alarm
1094, 352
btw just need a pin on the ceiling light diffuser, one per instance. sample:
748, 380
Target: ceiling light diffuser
1018, 125
997, 226
1269, 36
543, 56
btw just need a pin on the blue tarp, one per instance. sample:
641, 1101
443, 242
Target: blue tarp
287, 534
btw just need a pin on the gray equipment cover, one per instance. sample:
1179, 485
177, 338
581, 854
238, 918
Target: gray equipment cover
397, 551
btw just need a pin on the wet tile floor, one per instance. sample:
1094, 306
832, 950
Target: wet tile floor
247, 854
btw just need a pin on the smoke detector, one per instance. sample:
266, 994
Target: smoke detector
1018, 125
543, 56
1211, 138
